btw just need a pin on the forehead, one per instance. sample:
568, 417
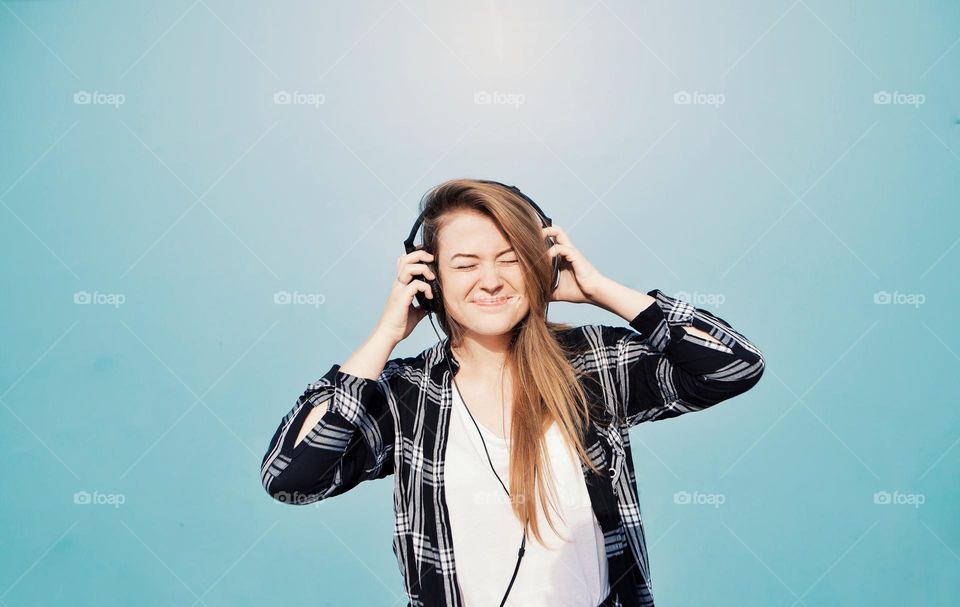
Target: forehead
470, 232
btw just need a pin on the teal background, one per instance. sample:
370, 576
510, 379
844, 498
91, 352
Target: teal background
198, 198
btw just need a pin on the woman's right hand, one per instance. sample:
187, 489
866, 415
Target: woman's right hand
400, 317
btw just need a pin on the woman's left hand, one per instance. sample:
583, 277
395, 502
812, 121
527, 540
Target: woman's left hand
579, 280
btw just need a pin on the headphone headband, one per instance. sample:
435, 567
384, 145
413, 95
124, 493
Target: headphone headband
547, 222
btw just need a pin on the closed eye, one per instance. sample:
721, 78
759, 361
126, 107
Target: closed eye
474, 265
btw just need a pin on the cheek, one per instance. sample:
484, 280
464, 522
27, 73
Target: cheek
516, 280
455, 287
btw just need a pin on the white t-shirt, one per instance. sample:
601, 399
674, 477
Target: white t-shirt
487, 534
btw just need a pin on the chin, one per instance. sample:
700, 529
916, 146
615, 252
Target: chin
487, 324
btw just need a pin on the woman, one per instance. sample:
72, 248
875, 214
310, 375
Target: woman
512, 426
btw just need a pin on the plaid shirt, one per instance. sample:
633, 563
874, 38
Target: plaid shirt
398, 425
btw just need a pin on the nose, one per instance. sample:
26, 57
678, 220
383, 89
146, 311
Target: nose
490, 279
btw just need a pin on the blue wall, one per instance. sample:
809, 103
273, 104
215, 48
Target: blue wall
781, 164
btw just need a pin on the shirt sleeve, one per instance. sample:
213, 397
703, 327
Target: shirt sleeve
352, 442
662, 371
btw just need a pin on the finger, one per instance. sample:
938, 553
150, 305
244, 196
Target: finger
419, 286
565, 251
558, 234
422, 254
420, 269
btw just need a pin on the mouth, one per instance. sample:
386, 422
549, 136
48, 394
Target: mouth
494, 302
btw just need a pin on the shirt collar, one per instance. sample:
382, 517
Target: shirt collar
442, 353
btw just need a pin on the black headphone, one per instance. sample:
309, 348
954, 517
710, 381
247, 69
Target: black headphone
435, 306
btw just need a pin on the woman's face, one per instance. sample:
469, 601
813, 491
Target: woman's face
481, 277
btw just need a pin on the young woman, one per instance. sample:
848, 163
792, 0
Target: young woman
512, 426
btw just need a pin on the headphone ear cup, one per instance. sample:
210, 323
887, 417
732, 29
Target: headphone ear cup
423, 302
556, 267
434, 305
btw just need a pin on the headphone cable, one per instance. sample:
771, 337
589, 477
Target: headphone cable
523, 543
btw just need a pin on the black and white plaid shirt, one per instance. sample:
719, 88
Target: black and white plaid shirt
398, 425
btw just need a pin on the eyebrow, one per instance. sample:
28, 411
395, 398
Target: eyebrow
507, 250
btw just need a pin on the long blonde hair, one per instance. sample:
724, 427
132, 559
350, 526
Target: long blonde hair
546, 386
